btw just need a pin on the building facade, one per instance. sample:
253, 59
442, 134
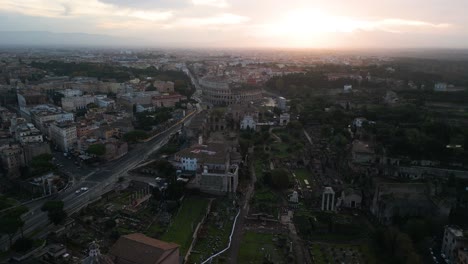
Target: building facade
76, 102
218, 91
64, 135
12, 158
328, 199
453, 240
248, 123
41, 115
164, 87
281, 102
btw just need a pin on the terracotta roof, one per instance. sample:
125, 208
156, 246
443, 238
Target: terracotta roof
210, 153
138, 248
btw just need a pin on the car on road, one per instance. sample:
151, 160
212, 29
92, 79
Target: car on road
81, 190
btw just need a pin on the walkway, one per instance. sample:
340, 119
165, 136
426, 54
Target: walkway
244, 210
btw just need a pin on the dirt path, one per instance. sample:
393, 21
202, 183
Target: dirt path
244, 210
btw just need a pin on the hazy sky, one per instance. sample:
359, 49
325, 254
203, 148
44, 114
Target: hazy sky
251, 23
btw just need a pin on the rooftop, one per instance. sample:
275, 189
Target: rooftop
211, 153
138, 248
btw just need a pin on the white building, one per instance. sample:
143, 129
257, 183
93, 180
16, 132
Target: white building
328, 199
219, 181
71, 92
294, 197
248, 123
359, 121
282, 103
440, 87
42, 114
145, 108
138, 97
212, 167
28, 133
347, 88
350, 198
453, 239
76, 102
63, 134
284, 119
189, 163
103, 102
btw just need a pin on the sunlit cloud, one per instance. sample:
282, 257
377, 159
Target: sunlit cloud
313, 21
303, 28
214, 3
294, 23
218, 20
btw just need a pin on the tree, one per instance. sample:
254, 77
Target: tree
97, 149
280, 178
11, 221
135, 136
151, 88
23, 244
55, 211
91, 105
9, 226
41, 164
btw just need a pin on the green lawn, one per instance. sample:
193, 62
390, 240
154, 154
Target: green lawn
155, 230
330, 227
182, 228
303, 174
321, 256
280, 150
214, 235
266, 201
258, 167
6, 202
256, 246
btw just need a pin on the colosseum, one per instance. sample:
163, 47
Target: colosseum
218, 91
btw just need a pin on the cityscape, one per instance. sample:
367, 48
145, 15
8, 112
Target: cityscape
231, 136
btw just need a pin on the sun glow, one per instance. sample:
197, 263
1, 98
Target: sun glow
306, 27
315, 21
310, 27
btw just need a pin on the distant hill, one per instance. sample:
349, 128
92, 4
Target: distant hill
45, 38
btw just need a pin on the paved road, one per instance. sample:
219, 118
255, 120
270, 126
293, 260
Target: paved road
98, 181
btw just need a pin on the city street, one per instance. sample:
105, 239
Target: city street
97, 180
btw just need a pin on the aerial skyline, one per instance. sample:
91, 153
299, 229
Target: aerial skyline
242, 23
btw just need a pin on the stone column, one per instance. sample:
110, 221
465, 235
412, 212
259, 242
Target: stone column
323, 201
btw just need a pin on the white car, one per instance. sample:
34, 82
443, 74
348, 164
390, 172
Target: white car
84, 189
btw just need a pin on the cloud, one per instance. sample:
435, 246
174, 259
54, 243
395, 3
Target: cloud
217, 20
214, 3
305, 23
397, 25
83, 8
150, 4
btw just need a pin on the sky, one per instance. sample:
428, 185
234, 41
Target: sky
251, 23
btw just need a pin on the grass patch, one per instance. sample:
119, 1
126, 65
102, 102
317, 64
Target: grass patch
303, 174
214, 235
181, 230
258, 167
266, 201
330, 227
257, 247
341, 253
280, 150
6, 202
155, 230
